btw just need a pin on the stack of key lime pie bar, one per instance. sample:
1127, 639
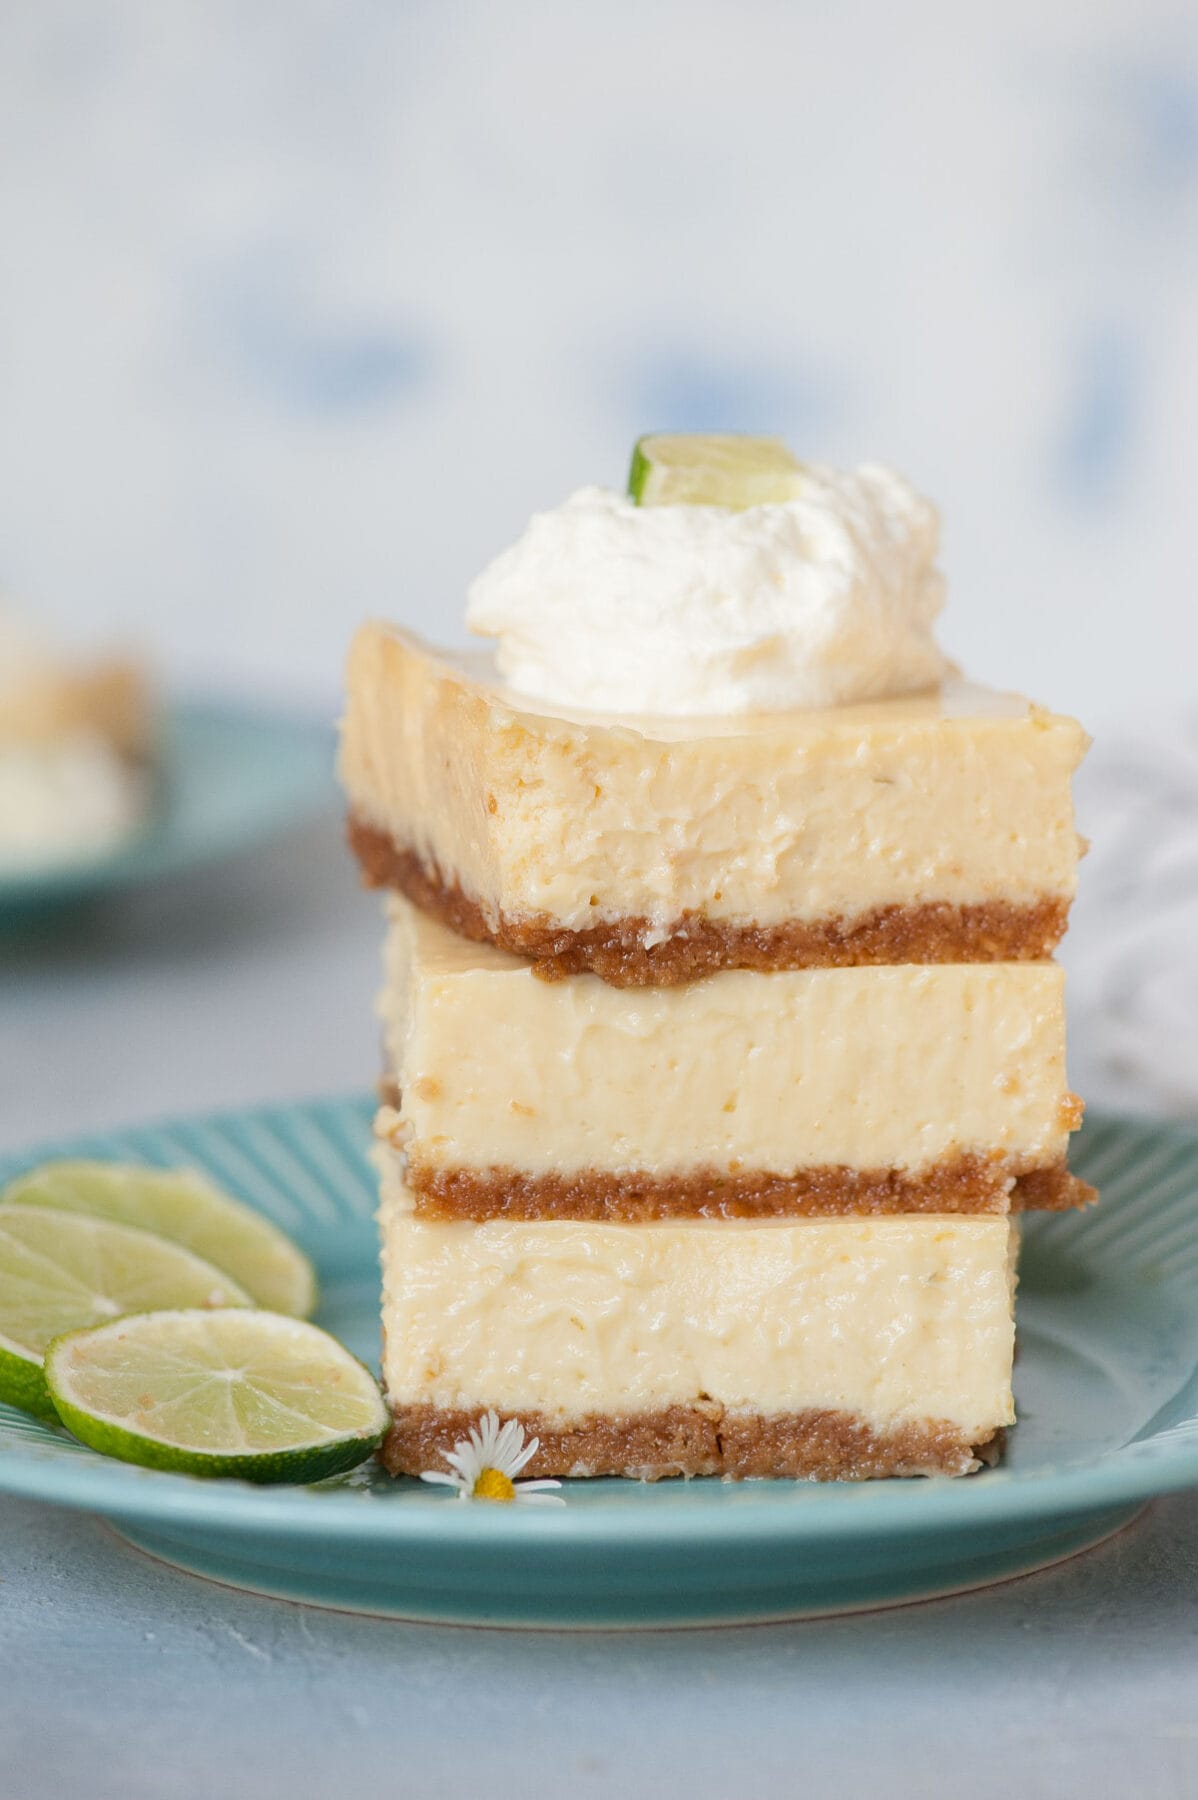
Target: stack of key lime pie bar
724, 1040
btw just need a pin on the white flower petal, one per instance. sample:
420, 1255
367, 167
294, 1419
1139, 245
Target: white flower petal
507, 1444
485, 1436
493, 1446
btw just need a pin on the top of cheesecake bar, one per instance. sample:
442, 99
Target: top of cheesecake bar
954, 698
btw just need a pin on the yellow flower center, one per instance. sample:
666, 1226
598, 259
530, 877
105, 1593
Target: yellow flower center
492, 1484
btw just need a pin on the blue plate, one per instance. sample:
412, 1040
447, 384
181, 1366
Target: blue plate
1106, 1382
230, 780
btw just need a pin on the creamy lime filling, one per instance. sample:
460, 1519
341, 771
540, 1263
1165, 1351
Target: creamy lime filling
874, 1068
891, 1320
808, 816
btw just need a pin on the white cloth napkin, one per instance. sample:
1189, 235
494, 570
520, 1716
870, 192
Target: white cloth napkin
1132, 948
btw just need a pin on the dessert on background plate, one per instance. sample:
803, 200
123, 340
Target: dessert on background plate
76, 744
722, 1033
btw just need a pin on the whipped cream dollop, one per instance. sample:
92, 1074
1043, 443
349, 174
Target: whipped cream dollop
828, 598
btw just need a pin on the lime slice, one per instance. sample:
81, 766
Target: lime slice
721, 469
183, 1206
60, 1270
251, 1394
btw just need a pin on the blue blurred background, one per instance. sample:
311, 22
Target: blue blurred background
305, 308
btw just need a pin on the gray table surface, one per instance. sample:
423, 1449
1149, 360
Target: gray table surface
122, 1679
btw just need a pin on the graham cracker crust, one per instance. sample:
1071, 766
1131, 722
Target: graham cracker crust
992, 931
702, 1439
967, 1185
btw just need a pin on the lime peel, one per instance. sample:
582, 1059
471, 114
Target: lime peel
728, 469
22, 1381
187, 1208
62, 1270
260, 1396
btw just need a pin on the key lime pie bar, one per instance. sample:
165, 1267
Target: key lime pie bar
722, 1037
823, 1348
927, 827
74, 753
808, 1091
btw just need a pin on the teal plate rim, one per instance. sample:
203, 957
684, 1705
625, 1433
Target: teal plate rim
313, 1154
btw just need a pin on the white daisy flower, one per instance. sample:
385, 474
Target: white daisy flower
485, 1465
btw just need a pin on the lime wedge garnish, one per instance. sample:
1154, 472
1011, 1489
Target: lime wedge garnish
185, 1207
60, 1270
251, 1394
719, 469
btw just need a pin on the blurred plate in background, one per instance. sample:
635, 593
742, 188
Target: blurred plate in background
231, 779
